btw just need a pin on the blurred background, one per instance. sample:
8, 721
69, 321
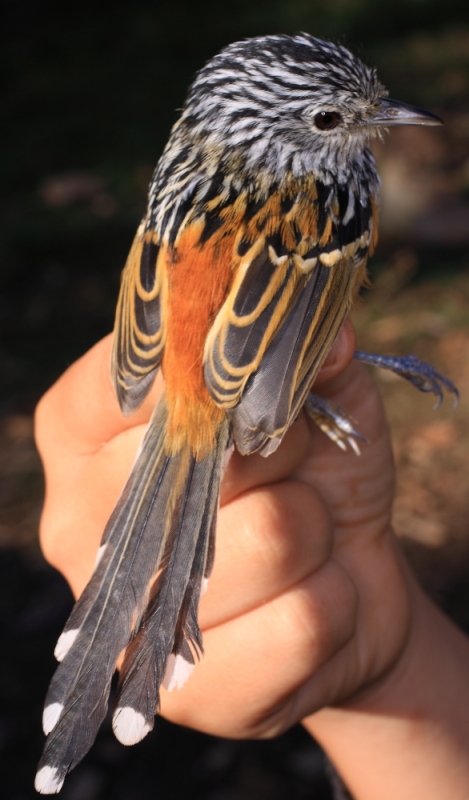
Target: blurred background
90, 91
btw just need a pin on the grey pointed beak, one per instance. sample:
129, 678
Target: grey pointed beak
393, 112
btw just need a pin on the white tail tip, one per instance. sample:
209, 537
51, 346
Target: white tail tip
47, 782
178, 671
129, 726
64, 643
50, 717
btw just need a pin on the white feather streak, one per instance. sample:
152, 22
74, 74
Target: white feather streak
100, 554
129, 726
178, 671
64, 643
46, 781
50, 717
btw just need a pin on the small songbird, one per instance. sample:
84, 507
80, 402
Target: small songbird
261, 215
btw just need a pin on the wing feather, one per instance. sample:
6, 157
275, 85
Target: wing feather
139, 331
295, 284
276, 392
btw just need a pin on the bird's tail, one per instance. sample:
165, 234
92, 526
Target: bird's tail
155, 553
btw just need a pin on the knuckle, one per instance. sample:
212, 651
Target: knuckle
320, 614
293, 528
267, 726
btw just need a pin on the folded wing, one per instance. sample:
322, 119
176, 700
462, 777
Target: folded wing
139, 328
294, 286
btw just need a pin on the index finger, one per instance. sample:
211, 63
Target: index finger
80, 412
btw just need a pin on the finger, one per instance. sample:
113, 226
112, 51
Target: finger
247, 472
350, 387
384, 619
81, 492
359, 490
254, 663
80, 412
268, 540
340, 355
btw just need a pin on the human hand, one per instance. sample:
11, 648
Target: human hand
310, 605
295, 611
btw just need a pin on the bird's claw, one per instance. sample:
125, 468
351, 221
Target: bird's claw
420, 374
334, 422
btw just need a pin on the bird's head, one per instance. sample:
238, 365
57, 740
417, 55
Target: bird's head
291, 105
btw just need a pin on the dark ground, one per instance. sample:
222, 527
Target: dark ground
89, 97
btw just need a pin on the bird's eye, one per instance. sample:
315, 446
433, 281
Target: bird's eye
326, 120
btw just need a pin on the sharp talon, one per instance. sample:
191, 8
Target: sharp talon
420, 374
334, 422
354, 445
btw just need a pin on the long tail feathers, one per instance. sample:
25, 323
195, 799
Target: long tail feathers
145, 590
169, 625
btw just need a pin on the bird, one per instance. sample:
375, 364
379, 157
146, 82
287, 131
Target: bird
262, 213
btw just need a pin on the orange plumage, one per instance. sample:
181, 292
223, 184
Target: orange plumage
199, 279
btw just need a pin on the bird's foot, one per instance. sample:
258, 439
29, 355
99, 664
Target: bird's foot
334, 422
419, 373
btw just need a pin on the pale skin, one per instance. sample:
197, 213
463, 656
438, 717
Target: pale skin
312, 613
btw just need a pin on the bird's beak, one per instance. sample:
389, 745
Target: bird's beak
393, 112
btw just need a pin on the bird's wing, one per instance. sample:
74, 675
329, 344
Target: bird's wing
139, 330
298, 274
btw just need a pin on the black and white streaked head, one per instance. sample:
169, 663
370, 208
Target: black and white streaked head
293, 104
277, 105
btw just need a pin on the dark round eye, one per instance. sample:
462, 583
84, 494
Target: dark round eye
326, 120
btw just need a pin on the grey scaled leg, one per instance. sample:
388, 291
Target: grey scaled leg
420, 374
334, 422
